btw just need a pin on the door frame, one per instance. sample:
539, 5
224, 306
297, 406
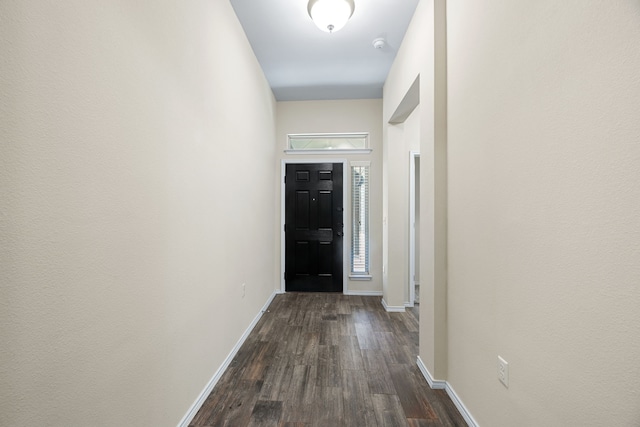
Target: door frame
413, 156
346, 188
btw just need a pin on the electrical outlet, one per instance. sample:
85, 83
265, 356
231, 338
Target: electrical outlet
503, 371
243, 290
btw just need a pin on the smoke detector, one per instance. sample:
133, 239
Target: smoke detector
379, 43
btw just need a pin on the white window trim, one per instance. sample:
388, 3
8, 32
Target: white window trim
360, 277
326, 152
360, 163
353, 275
364, 135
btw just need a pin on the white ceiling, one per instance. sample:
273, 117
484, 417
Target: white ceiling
301, 62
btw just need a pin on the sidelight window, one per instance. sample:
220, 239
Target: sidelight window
360, 218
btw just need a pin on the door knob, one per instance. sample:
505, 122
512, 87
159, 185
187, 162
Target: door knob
340, 233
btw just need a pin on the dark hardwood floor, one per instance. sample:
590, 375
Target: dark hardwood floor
328, 360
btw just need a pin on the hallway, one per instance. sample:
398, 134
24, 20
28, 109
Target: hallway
328, 360
142, 151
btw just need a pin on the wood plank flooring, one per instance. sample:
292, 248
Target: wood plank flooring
328, 360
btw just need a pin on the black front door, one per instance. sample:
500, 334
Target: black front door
313, 227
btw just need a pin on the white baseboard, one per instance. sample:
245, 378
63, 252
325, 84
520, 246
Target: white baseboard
191, 413
463, 409
392, 308
365, 293
439, 384
433, 383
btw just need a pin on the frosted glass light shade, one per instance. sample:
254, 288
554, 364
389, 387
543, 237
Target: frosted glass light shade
330, 15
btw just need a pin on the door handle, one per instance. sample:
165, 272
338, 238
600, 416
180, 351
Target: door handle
340, 233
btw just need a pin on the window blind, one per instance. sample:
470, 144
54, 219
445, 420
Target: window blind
360, 220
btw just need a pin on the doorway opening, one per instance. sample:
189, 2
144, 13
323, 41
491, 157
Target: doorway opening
414, 228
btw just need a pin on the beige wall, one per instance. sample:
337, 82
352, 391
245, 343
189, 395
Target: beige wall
542, 207
412, 145
123, 246
341, 116
416, 58
544, 224
401, 140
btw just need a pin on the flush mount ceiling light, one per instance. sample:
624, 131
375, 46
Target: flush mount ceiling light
330, 15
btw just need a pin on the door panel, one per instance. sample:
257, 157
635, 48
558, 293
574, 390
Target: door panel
313, 227
303, 202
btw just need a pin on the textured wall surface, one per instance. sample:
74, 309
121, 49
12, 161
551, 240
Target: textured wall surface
544, 210
416, 58
137, 156
402, 138
542, 203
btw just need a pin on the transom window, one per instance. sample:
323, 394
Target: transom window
328, 141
